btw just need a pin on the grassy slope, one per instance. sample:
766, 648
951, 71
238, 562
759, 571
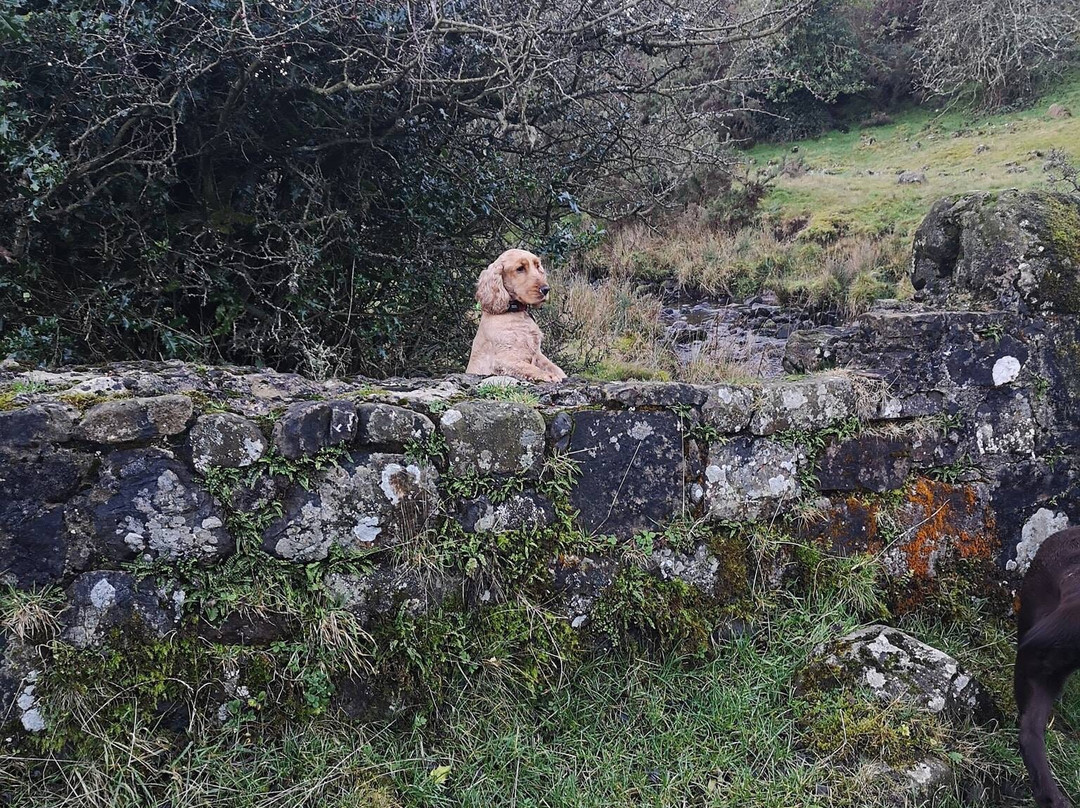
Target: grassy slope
838, 191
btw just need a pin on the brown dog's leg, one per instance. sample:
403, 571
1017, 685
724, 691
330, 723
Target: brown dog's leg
1042, 665
554, 372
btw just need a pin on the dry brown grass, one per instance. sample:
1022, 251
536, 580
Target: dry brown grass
803, 267
611, 330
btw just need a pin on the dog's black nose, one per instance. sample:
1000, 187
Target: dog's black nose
545, 289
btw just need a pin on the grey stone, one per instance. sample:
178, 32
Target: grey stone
134, 419
911, 178
309, 426
101, 602
809, 404
35, 544
374, 500
1004, 424
895, 666
813, 350
146, 503
751, 479
559, 431
865, 463
655, 394
700, 568
36, 425
728, 407
520, 510
494, 437
633, 472
391, 428
225, 440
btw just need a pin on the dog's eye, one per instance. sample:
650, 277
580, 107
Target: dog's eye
521, 269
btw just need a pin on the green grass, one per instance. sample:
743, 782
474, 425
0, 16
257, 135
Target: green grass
727, 729
841, 198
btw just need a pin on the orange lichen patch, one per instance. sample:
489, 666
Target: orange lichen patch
946, 521
845, 527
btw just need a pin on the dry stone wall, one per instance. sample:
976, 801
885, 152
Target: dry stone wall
931, 437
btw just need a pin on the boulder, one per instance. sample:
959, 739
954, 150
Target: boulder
373, 500
310, 426
895, 666
494, 438
751, 479
911, 178
1058, 112
225, 440
389, 590
1014, 250
1005, 424
655, 394
517, 511
135, 419
815, 349
36, 546
579, 582
865, 463
632, 470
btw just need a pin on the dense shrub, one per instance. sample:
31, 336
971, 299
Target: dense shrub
315, 185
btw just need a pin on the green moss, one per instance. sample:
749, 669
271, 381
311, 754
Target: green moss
1060, 285
640, 610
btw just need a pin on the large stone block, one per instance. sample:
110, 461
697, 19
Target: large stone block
632, 470
310, 426
751, 479
808, 404
372, 501
146, 503
391, 428
728, 407
36, 425
521, 510
101, 602
36, 547
225, 440
134, 419
866, 463
494, 437
1005, 424
655, 394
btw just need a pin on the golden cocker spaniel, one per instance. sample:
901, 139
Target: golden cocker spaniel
508, 340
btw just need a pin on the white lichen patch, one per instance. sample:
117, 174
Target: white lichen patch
450, 417
1043, 524
1006, 370
103, 594
166, 528
640, 431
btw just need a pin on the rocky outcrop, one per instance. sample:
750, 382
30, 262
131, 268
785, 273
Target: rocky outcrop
1017, 251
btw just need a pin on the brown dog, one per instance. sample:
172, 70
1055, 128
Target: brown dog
1048, 650
508, 340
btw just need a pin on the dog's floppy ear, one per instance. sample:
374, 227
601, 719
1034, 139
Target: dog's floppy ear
490, 292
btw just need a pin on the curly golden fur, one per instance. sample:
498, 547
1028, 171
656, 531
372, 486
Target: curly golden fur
507, 342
